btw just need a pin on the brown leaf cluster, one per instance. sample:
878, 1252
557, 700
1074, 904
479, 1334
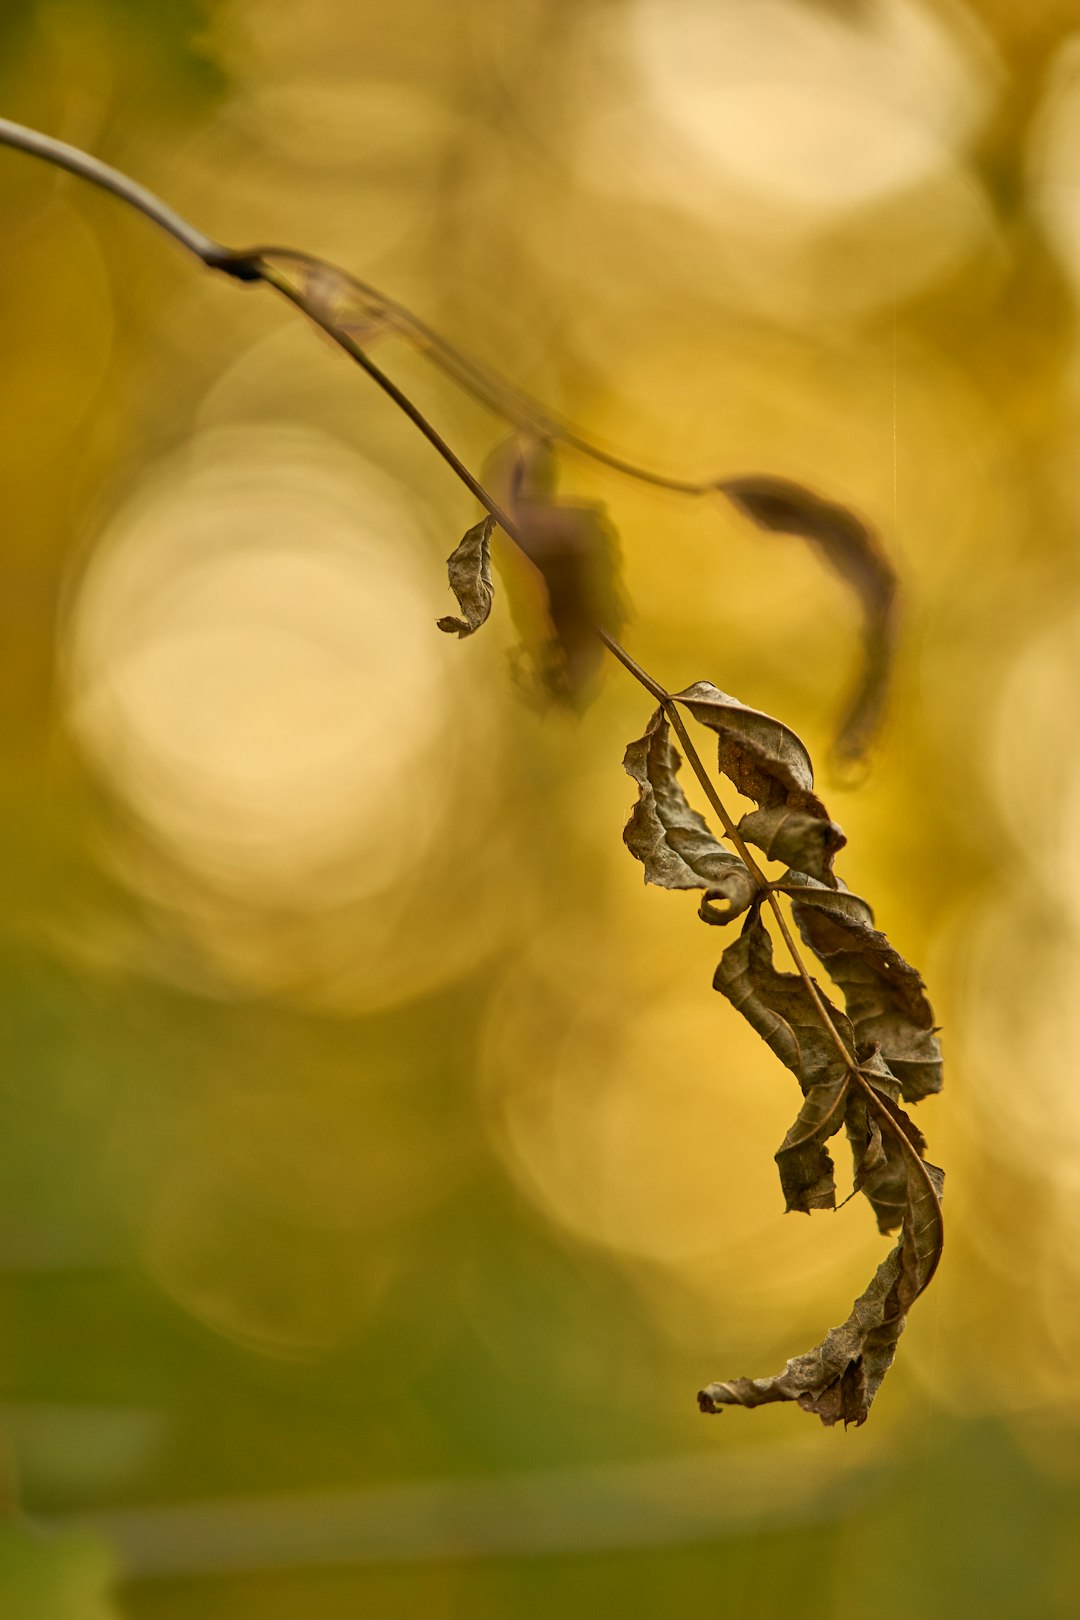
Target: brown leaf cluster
853, 1066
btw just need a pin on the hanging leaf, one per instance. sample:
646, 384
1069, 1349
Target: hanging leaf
885, 997
804, 1162
881, 1158
797, 838
855, 553
767, 763
838, 1379
669, 838
574, 550
469, 568
780, 1008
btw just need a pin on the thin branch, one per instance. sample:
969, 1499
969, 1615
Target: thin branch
75, 161
505, 400
486, 386
400, 399
492, 390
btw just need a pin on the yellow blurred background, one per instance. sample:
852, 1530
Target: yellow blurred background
380, 1176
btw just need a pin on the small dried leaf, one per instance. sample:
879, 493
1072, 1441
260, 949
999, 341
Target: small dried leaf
767, 763
780, 1008
884, 996
469, 568
795, 837
867, 1149
855, 553
804, 1162
669, 838
574, 550
881, 1163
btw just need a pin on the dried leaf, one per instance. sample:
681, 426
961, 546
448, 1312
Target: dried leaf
669, 838
881, 1162
780, 1008
767, 763
574, 550
855, 553
795, 837
804, 1162
469, 568
840, 1377
884, 996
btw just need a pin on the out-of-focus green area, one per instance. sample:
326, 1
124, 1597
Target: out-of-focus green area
380, 1176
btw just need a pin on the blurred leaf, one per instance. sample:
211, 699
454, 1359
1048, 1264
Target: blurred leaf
469, 567
855, 553
767, 763
575, 552
65, 1577
669, 838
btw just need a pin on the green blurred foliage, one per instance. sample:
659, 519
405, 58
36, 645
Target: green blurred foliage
60, 1578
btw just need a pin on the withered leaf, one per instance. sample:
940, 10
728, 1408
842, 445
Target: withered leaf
796, 837
839, 1378
855, 553
881, 1158
469, 568
767, 763
574, 550
884, 996
780, 1008
669, 838
804, 1162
